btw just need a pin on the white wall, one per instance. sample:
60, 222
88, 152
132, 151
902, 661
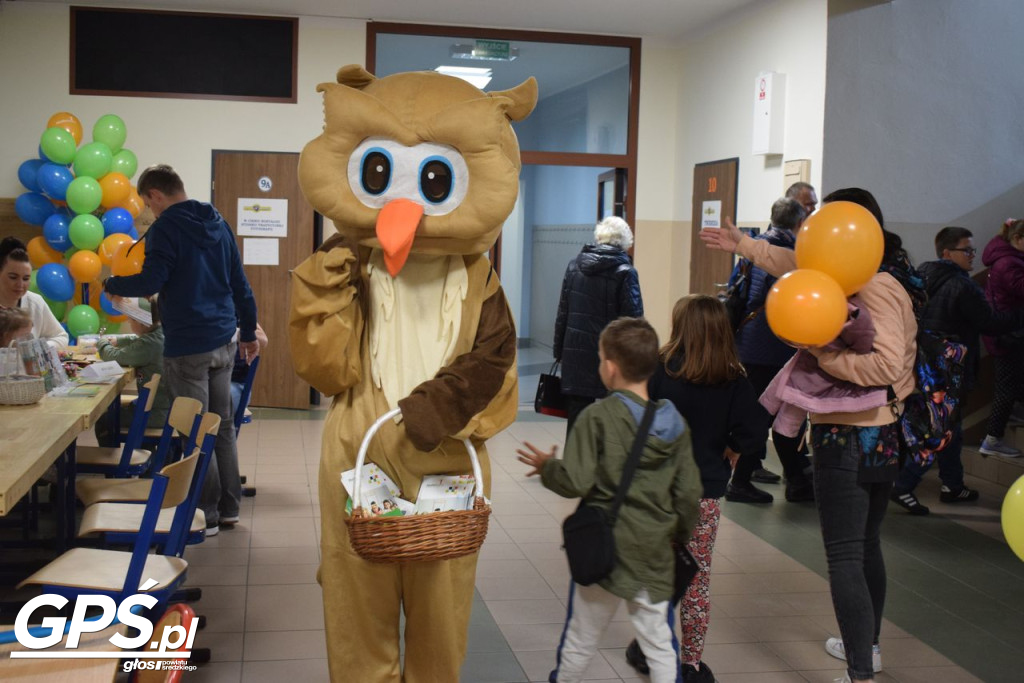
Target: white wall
716, 99
923, 109
182, 132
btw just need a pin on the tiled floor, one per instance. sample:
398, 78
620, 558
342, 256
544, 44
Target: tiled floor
955, 609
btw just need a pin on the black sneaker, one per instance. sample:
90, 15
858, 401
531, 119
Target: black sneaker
909, 502
960, 495
701, 675
636, 659
747, 493
763, 476
800, 490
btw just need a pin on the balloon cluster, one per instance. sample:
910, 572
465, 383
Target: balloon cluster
838, 249
83, 199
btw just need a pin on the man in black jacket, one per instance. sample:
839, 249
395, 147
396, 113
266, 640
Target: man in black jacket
600, 285
956, 308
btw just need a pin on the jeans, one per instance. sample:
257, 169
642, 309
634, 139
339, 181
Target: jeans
206, 377
951, 468
851, 519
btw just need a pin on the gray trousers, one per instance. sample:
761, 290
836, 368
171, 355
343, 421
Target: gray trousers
206, 377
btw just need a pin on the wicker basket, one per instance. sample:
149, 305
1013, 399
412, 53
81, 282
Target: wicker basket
416, 538
21, 390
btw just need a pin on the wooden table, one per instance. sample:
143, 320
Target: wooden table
57, 670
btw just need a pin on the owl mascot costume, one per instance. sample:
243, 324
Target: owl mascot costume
402, 309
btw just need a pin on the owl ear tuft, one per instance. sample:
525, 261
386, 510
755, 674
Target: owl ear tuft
355, 76
522, 99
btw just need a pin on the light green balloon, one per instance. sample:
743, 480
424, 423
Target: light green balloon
84, 195
111, 131
58, 308
83, 320
93, 160
86, 231
32, 286
58, 145
125, 162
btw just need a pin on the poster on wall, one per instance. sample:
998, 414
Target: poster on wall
711, 214
262, 217
260, 252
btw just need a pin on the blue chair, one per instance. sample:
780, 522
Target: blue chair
242, 415
131, 460
120, 523
119, 574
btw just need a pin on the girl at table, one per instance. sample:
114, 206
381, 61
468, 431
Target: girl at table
145, 353
15, 275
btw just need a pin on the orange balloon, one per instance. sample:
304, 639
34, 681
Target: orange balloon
806, 308
134, 204
116, 188
40, 253
109, 246
85, 266
69, 122
115, 319
128, 259
94, 294
843, 240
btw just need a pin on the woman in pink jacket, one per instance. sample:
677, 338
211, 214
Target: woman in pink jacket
855, 453
1004, 256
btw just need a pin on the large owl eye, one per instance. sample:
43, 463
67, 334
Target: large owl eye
436, 179
376, 171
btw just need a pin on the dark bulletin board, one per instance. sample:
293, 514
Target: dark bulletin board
183, 54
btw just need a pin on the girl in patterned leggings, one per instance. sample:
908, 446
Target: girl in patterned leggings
701, 374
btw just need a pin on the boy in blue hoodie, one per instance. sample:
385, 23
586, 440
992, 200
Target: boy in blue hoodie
661, 505
192, 261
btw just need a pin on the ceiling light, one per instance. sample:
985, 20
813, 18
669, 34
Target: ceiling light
489, 50
476, 76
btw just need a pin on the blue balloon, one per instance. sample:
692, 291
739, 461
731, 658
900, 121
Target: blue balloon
55, 282
27, 173
134, 233
117, 220
108, 307
55, 231
54, 180
34, 208
42, 157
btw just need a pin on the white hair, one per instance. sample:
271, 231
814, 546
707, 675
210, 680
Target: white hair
614, 231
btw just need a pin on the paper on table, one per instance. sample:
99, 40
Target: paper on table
130, 307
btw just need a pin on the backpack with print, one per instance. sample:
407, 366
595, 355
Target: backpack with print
737, 293
932, 411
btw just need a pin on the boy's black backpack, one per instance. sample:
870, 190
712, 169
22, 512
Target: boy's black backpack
932, 410
737, 293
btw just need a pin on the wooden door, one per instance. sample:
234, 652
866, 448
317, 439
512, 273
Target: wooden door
714, 186
256, 177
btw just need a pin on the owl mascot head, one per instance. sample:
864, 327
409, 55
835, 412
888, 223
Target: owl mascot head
401, 309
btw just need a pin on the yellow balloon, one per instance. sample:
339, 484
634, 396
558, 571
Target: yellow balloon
1013, 517
40, 253
842, 240
806, 308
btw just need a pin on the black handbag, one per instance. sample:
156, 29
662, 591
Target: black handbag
686, 570
587, 533
549, 399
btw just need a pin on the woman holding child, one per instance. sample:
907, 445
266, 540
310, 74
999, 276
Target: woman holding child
855, 454
15, 277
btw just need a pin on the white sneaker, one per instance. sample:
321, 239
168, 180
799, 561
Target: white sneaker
993, 446
835, 647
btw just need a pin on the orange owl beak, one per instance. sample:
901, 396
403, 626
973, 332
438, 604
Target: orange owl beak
396, 228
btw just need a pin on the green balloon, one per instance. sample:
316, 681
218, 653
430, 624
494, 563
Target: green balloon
125, 162
58, 308
84, 195
111, 131
86, 231
93, 160
58, 145
32, 286
83, 320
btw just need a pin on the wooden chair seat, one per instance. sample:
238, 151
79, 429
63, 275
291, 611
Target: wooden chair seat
127, 518
98, 490
92, 568
110, 457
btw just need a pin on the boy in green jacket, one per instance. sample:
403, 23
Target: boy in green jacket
661, 505
145, 353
